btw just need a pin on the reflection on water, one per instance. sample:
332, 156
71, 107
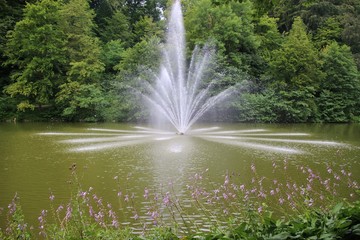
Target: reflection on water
35, 158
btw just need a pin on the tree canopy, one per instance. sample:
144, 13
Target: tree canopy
76, 60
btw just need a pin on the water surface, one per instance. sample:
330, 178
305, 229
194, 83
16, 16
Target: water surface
36, 157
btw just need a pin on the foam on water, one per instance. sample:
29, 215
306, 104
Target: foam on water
247, 138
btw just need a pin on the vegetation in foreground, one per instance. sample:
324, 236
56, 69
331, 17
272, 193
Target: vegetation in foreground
261, 209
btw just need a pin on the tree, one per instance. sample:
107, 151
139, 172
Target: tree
36, 48
10, 13
117, 27
136, 66
350, 20
145, 52
328, 32
229, 25
83, 59
294, 73
263, 7
340, 88
269, 37
146, 28
323, 19
112, 54
136, 9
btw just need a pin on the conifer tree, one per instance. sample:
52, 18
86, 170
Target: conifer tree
340, 88
295, 75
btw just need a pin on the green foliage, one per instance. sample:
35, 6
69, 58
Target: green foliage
81, 101
136, 9
340, 223
112, 54
296, 64
124, 102
161, 233
268, 35
257, 108
10, 13
81, 94
36, 48
329, 31
340, 88
7, 108
323, 19
83, 50
228, 24
294, 74
117, 27
146, 28
48, 47
146, 52
16, 227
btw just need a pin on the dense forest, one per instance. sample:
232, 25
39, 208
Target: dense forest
75, 60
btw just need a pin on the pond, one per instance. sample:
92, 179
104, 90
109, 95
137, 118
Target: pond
122, 160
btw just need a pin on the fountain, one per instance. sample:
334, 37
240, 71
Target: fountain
179, 94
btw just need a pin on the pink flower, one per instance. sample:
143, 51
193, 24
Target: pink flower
166, 199
146, 193
253, 167
52, 197
226, 182
59, 208
115, 223
225, 196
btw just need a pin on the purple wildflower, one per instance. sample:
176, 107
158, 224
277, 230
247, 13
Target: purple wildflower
52, 197
68, 213
60, 208
115, 223
253, 169
146, 193
166, 199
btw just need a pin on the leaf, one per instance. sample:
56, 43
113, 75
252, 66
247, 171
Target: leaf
337, 208
280, 236
356, 229
327, 236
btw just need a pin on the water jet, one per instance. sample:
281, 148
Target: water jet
181, 94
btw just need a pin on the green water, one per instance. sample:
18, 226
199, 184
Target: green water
35, 157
